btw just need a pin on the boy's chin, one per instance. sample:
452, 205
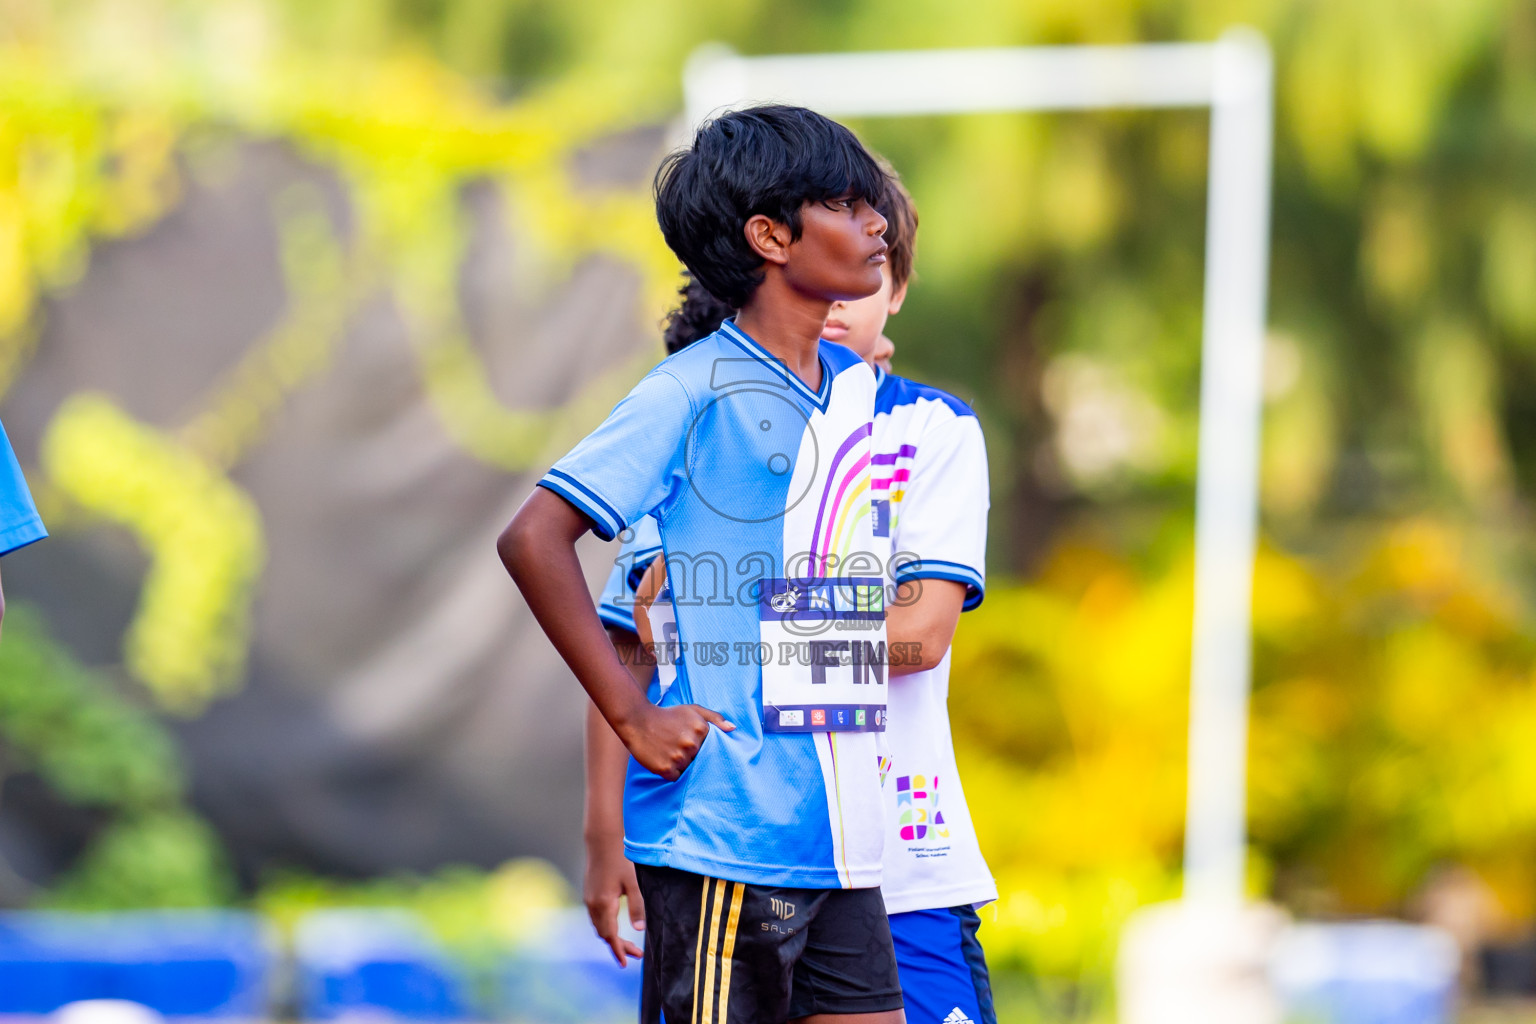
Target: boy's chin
853, 291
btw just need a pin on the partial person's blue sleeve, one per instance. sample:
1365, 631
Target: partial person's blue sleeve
633, 461
20, 524
616, 604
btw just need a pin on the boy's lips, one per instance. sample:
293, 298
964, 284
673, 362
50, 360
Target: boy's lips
832, 330
879, 254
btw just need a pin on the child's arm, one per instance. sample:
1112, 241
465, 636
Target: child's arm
539, 550
609, 875
923, 627
645, 596
942, 539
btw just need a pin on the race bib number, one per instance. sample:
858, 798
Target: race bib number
823, 654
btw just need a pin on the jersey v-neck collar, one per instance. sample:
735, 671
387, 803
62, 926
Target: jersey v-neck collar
817, 398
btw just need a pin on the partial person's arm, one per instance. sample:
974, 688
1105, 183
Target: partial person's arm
921, 623
20, 524
942, 540
539, 550
609, 875
645, 596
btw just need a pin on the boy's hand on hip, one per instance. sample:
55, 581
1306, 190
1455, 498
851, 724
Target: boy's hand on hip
666, 740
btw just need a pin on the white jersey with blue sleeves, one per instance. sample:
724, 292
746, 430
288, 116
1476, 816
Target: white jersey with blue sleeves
931, 500
754, 476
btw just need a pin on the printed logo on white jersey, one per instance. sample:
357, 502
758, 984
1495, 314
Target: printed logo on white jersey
957, 1016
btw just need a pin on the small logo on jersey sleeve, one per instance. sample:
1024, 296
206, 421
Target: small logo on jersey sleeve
881, 508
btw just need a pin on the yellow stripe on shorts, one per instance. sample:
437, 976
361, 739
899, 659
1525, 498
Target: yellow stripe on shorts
738, 892
712, 957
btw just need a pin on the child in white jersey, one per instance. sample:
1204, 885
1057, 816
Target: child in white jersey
931, 499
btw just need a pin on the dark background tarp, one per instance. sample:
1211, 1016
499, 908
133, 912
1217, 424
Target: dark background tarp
401, 709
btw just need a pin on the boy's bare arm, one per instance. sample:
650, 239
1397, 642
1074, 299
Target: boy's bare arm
924, 625
539, 550
645, 596
609, 875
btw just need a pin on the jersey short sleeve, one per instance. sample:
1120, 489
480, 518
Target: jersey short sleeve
942, 530
633, 461
20, 524
641, 543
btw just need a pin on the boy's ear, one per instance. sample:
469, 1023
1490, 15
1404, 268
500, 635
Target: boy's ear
768, 238
898, 297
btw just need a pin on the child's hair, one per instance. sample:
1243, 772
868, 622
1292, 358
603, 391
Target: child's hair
900, 227
700, 313
766, 160
698, 316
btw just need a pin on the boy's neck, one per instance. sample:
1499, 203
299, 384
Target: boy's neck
788, 324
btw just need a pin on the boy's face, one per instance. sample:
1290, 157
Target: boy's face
840, 253
860, 324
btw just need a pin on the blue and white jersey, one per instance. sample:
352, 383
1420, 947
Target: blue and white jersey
20, 524
761, 489
640, 544
931, 499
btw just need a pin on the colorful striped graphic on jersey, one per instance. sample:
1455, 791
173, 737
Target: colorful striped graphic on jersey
849, 474
889, 475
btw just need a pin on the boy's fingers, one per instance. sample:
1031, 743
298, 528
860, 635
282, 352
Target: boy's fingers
634, 951
717, 718
636, 906
598, 910
607, 926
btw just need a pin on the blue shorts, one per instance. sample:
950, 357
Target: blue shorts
943, 972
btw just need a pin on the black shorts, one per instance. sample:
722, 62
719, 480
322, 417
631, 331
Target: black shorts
720, 952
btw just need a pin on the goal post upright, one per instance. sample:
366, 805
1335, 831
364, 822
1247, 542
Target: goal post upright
1233, 77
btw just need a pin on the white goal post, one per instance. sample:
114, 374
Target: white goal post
1234, 78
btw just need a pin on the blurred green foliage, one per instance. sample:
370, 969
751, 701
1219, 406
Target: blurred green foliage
1392, 722
475, 913
98, 751
202, 532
